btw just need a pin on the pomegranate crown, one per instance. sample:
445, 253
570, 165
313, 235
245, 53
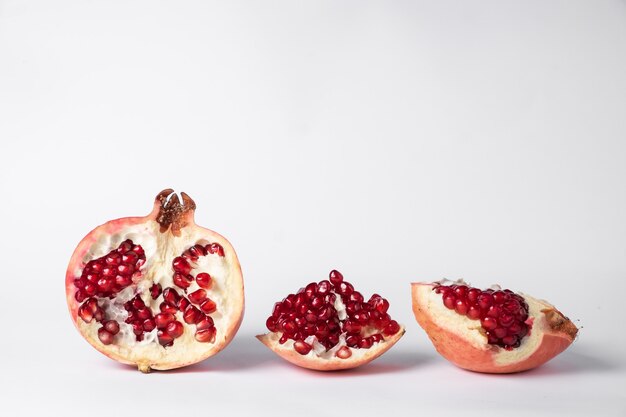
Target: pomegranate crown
172, 213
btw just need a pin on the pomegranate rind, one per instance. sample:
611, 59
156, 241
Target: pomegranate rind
312, 361
463, 343
180, 354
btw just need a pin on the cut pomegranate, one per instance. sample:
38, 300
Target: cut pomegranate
137, 286
329, 326
493, 330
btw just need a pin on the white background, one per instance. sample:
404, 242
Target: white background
395, 141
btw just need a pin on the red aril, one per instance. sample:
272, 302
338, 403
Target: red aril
493, 330
157, 292
329, 326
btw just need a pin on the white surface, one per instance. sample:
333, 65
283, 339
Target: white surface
395, 141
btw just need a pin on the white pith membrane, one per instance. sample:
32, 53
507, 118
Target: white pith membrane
160, 250
472, 331
319, 353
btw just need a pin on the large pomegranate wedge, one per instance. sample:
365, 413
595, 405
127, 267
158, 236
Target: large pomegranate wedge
329, 326
494, 330
159, 291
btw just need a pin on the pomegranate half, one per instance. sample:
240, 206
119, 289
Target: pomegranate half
158, 292
329, 326
493, 330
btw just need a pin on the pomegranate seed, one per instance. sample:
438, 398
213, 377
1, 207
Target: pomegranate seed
460, 291
499, 332
366, 343
449, 301
344, 352
283, 339
175, 329
215, 248
473, 312
510, 340
105, 337
113, 259
166, 307
84, 312
356, 297
125, 246
165, 339
208, 306
144, 313
137, 328
90, 289
125, 269
317, 302
506, 320
112, 327
181, 280
109, 272
323, 287
335, 277
472, 295
351, 327
180, 265
80, 296
163, 319
204, 280
377, 337
205, 323
105, 284
270, 323
485, 301
392, 328
155, 291
130, 258
138, 302
171, 296
183, 304
345, 288
123, 281
99, 315
192, 315
489, 323
310, 290
149, 325
206, 336
198, 296
325, 313
499, 297
460, 307
302, 347
380, 304
361, 317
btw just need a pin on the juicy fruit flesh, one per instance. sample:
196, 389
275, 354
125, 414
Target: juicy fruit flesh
326, 312
503, 314
106, 277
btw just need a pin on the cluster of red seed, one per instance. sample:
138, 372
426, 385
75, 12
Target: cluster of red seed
127, 259
311, 312
110, 274
502, 314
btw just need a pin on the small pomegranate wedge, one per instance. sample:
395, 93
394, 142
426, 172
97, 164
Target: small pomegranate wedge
493, 330
328, 326
157, 292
